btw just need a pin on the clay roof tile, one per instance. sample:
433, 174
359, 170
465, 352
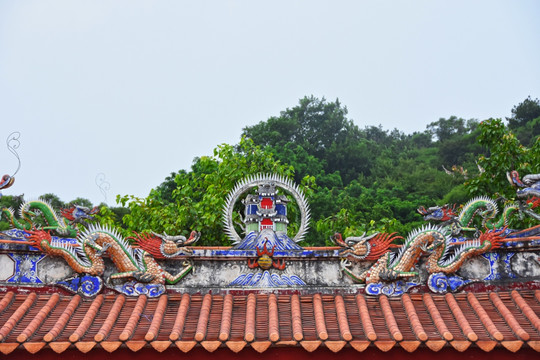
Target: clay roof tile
63, 319
180, 320
87, 320
503, 319
157, 319
390, 318
318, 313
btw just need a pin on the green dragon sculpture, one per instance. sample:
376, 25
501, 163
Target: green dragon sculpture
487, 209
483, 207
30, 210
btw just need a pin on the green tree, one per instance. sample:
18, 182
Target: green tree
200, 194
321, 129
504, 153
54, 200
526, 111
81, 202
9, 201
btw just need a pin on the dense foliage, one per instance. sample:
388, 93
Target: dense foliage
356, 179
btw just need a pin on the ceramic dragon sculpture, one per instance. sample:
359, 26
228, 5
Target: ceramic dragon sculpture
77, 214
131, 263
480, 206
364, 247
434, 240
528, 189
84, 257
6, 181
528, 186
447, 258
30, 209
163, 246
392, 266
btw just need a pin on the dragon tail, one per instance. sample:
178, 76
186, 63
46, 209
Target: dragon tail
495, 237
9, 213
79, 260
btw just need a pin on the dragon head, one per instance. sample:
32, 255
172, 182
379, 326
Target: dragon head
528, 187
356, 247
79, 214
513, 178
439, 213
364, 247
193, 238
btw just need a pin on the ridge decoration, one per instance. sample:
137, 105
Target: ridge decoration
86, 257
30, 210
266, 184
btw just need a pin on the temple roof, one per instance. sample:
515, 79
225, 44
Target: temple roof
485, 320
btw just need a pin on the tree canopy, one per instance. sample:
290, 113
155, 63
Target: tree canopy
355, 179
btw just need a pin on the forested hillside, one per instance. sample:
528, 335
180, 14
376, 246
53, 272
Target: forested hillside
356, 179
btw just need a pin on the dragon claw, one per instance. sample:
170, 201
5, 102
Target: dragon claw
143, 277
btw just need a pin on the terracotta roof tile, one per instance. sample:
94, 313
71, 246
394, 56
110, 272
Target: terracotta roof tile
63, 319
17, 315
261, 318
484, 317
390, 318
318, 313
203, 318
6, 300
60, 347
526, 309
273, 318
296, 317
437, 318
236, 346
365, 318
153, 331
342, 318
460, 318
38, 320
85, 323
178, 326
508, 317
113, 314
483, 320
250, 318
288, 327
133, 319
413, 318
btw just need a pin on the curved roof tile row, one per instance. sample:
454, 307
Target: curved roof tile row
487, 320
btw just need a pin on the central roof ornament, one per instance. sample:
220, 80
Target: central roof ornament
265, 211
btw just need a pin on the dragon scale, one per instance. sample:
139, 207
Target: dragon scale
84, 259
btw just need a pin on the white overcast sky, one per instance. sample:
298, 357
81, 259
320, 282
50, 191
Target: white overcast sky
137, 89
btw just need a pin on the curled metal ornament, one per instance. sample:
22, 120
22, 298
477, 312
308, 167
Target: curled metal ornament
13, 143
103, 185
257, 180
